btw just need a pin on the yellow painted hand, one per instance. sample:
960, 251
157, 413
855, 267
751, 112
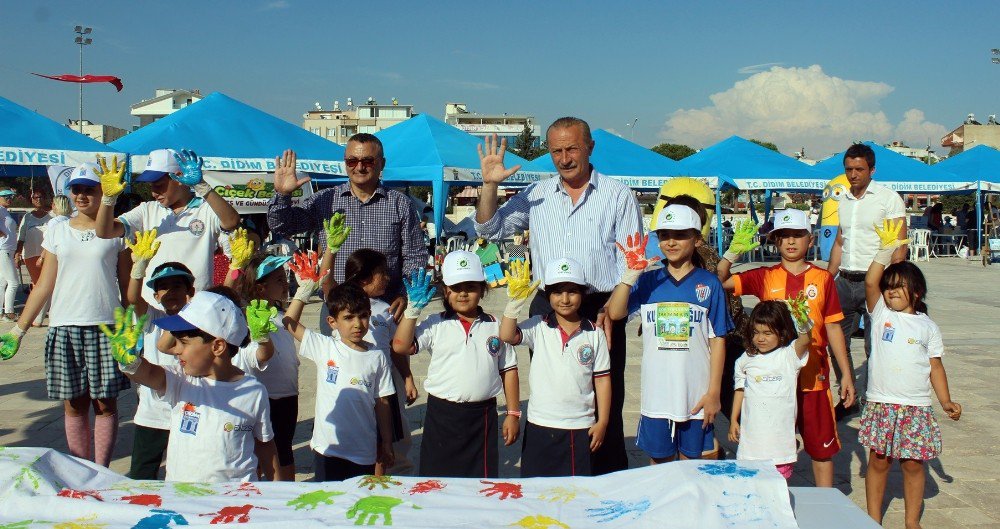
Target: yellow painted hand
799, 307
126, 339
888, 234
539, 521
519, 285
145, 245
112, 183
242, 249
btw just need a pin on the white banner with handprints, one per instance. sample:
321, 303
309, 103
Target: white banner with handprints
42, 487
249, 192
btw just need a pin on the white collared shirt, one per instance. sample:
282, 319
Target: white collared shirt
858, 217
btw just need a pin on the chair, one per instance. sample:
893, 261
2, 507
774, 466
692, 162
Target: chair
920, 242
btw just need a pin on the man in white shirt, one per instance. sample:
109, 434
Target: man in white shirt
866, 205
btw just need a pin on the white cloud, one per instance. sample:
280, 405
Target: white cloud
798, 107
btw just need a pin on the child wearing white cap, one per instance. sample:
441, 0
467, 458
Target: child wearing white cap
469, 367
569, 367
82, 274
684, 323
220, 423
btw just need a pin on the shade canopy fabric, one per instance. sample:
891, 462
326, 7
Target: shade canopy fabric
233, 136
980, 163
753, 167
903, 174
29, 142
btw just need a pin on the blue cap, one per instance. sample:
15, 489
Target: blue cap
270, 264
168, 272
7, 193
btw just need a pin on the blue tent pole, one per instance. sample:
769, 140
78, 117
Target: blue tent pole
767, 204
440, 190
979, 222
718, 219
752, 207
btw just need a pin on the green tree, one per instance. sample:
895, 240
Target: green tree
674, 151
524, 145
766, 144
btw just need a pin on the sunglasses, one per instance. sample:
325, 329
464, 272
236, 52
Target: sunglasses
367, 163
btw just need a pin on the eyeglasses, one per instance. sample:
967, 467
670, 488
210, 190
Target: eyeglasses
366, 163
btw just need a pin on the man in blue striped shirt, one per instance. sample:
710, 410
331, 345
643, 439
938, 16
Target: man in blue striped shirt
579, 215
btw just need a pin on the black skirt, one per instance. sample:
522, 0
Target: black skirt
554, 452
460, 439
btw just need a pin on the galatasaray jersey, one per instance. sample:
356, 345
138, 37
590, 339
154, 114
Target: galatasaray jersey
777, 283
678, 318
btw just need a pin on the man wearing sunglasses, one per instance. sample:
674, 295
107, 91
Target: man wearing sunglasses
381, 219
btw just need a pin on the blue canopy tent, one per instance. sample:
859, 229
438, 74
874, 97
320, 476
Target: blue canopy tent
424, 150
982, 164
902, 174
30, 142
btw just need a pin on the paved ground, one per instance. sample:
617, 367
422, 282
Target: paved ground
963, 486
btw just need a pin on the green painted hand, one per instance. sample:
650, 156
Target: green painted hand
9, 344
367, 510
799, 307
193, 489
311, 500
377, 481
126, 339
260, 319
337, 230
744, 237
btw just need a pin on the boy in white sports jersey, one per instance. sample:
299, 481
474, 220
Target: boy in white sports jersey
220, 421
570, 365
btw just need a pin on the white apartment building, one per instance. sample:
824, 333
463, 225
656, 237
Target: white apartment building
341, 122
96, 131
507, 126
165, 102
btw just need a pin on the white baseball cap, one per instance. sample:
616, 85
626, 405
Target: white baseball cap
159, 163
678, 217
790, 219
85, 174
212, 313
461, 266
564, 270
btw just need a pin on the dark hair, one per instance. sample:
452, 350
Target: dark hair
860, 150
178, 266
247, 281
349, 297
569, 121
776, 316
364, 137
908, 274
362, 265
483, 288
691, 202
549, 290
233, 350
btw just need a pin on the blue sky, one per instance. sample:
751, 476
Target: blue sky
813, 74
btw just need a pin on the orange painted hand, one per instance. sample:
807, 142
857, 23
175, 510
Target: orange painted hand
636, 261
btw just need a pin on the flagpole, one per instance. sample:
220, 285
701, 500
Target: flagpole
82, 41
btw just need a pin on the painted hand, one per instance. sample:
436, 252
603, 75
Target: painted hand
635, 257
145, 245
242, 248
799, 307
888, 234
112, 181
519, 284
306, 268
191, 165
744, 239
260, 317
126, 339
337, 230
419, 292
9, 344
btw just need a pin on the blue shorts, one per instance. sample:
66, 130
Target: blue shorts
654, 437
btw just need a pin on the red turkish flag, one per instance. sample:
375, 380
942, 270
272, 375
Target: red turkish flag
69, 78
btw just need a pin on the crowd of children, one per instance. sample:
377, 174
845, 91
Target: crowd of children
218, 368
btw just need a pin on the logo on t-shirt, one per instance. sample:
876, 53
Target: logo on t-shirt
493, 345
888, 332
766, 378
189, 419
230, 427
196, 227
332, 370
585, 354
915, 341
812, 291
702, 292
355, 381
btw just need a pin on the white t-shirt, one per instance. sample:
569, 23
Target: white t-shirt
189, 237
30, 232
858, 217
86, 290
281, 376
381, 329
8, 242
767, 418
347, 384
53, 221
899, 369
154, 409
563, 369
213, 427
464, 368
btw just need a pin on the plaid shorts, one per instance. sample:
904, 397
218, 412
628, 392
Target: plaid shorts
78, 362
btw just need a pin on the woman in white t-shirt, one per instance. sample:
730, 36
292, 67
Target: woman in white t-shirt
763, 415
897, 421
83, 275
29, 238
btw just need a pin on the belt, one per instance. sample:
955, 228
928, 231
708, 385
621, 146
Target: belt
852, 276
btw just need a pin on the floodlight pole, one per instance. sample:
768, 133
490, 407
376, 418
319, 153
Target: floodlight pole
82, 40
631, 132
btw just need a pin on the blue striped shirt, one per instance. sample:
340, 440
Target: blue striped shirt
586, 231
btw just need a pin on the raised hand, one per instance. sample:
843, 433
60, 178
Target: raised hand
242, 248
744, 239
799, 307
337, 230
126, 339
519, 288
635, 257
888, 234
112, 178
306, 269
260, 317
286, 181
191, 165
143, 250
419, 292
491, 160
